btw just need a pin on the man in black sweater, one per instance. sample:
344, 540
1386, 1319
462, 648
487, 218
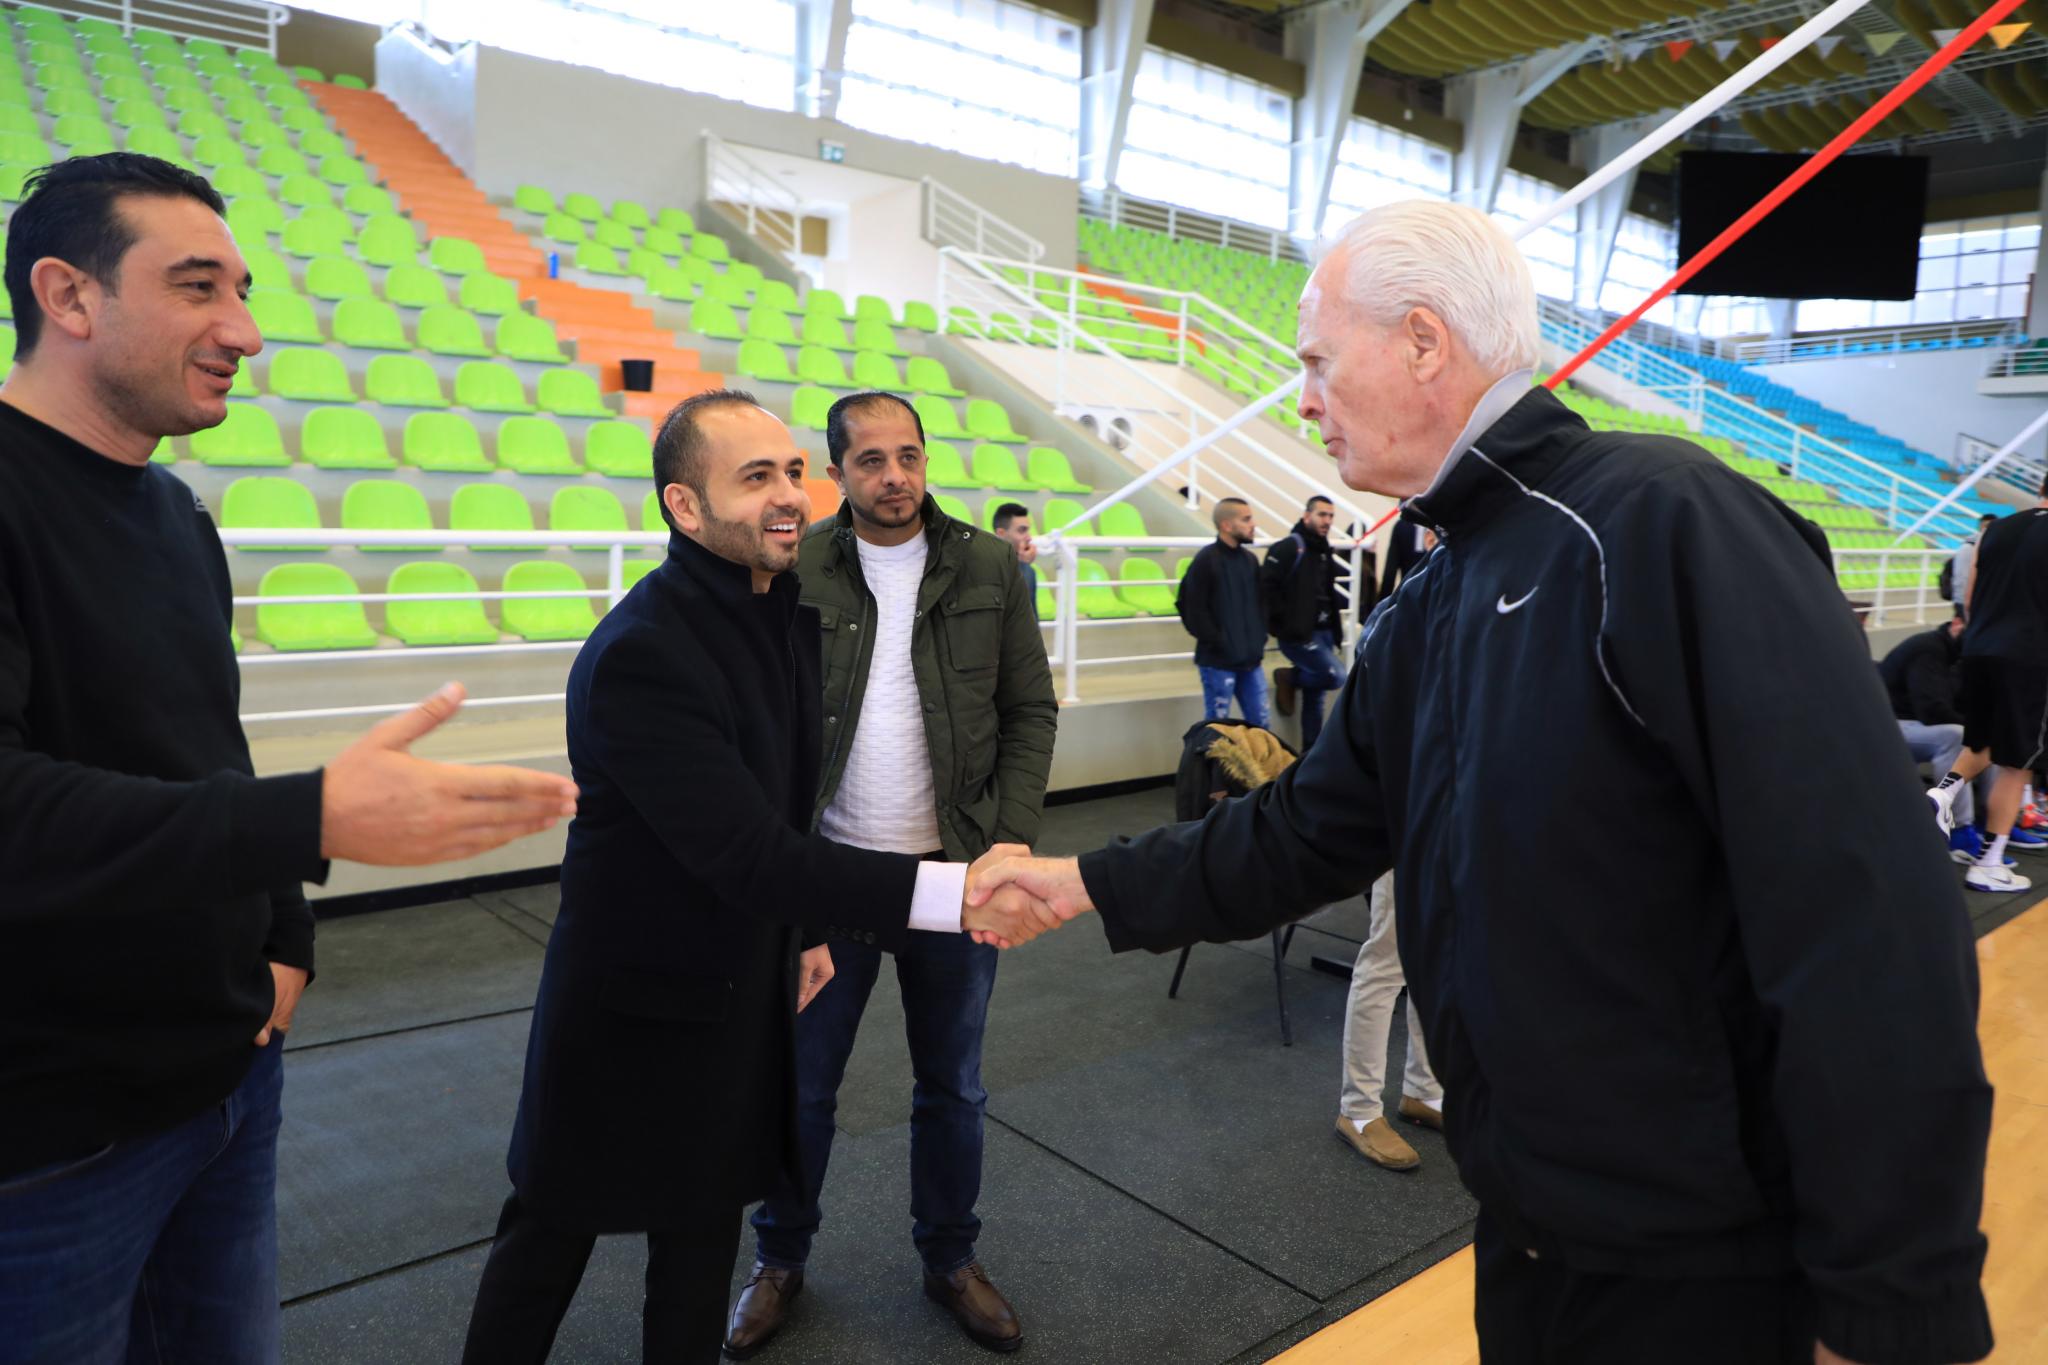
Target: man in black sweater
154, 937
1709, 1114
1219, 605
1299, 579
1922, 680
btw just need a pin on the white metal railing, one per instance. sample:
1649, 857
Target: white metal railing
2017, 363
2017, 472
952, 219
768, 209
1088, 376
1118, 209
237, 24
1874, 340
1855, 480
1889, 584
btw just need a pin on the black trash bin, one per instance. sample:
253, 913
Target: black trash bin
638, 375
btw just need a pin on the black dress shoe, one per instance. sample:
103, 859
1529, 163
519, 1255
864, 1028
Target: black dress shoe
978, 1306
762, 1309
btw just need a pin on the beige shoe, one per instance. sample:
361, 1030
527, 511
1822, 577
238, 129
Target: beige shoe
1379, 1144
1415, 1111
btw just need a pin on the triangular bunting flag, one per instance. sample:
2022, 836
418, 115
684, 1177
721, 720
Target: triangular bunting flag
2005, 35
1633, 50
1724, 46
1678, 47
1826, 46
1767, 43
1881, 43
1944, 36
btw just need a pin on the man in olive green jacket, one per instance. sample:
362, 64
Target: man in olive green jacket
938, 734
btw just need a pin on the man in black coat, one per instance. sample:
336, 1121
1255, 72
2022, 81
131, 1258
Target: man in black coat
1219, 605
1716, 1087
1299, 580
659, 1092
1922, 680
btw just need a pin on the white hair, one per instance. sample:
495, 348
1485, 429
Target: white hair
1451, 259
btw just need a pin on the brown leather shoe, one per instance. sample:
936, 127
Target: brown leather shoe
1415, 1111
978, 1306
1283, 691
1379, 1144
762, 1309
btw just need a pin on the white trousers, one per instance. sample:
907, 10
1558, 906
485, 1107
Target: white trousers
1376, 983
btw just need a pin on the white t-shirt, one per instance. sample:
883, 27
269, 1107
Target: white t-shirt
885, 799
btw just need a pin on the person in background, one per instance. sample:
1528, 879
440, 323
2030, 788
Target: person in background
1376, 983
1013, 523
154, 933
1220, 606
1299, 583
1921, 676
1407, 546
1959, 564
938, 741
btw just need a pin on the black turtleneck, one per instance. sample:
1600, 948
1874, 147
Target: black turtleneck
146, 877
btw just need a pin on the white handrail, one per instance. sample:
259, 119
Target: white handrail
952, 219
1116, 208
1871, 340
233, 22
770, 210
2017, 362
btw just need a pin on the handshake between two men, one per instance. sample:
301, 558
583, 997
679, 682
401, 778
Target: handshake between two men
1012, 897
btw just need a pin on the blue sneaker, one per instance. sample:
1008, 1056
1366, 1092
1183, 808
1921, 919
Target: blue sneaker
2025, 840
1966, 845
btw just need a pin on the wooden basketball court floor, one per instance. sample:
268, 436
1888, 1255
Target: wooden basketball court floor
1428, 1320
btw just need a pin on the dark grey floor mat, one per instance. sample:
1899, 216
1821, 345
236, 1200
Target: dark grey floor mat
394, 1148
1225, 1131
1085, 825
424, 964
1094, 1276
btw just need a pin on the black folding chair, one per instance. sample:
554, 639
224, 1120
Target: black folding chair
1281, 938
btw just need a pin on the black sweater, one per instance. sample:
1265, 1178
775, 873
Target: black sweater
146, 878
1663, 1053
1220, 605
1920, 677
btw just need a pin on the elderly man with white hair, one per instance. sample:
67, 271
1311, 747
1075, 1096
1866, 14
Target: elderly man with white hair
1693, 970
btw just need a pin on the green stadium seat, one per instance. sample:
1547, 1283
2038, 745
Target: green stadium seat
597, 259
253, 219
535, 445
617, 236
746, 272
403, 381
270, 503
303, 119
1097, 599
386, 505
821, 330
943, 467
82, 135
764, 360
522, 336
456, 256
710, 318
562, 228
776, 295
728, 289
664, 243
827, 303
650, 513
488, 386
298, 626
1049, 469
1153, 599
1064, 514
247, 438
631, 213
987, 421
388, 239
954, 508
350, 81
675, 220
533, 199
926, 375
586, 507
338, 168
618, 450
962, 321
636, 569
219, 150
307, 375
369, 323
570, 393
939, 418
920, 315
344, 438
808, 407
706, 247
441, 620
765, 324
306, 238
584, 207
267, 270
58, 104
243, 385
670, 283
996, 467
138, 111
876, 336
488, 295
444, 442
414, 286
448, 330
1122, 522
822, 365
337, 277
148, 139
489, 507
873, 370
368, 200
546, 618
872, 308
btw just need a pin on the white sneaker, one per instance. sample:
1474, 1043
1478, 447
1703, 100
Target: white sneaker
1981, 878
1944, 816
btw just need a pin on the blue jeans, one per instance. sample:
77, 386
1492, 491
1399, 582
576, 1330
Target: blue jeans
161, 1248
1248, 685
1316, 672
946, 981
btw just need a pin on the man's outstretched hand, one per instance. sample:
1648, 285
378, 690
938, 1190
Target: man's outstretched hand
379, 804
1007, 880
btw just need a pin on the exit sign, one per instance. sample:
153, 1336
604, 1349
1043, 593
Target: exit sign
831, 151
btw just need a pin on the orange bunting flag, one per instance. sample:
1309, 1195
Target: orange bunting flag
1678, 47
2005, 35
1767, 43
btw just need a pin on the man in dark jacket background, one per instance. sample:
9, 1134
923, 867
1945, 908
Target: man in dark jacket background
1220, 606
1299, 581
659, 1092
1922, 680
1709, 1114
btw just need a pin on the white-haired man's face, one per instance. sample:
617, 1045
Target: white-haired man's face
1388, 400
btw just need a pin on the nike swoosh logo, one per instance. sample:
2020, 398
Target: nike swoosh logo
1504, 606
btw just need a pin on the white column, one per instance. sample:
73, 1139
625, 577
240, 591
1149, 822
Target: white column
1783, 315
1489, 104
1600, 217
1109, 68
1330, 41
820, 54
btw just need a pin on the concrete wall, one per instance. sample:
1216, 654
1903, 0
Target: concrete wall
1925, 398
574, 127
435, 89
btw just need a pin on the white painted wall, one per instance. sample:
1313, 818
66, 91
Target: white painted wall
1924, 398
877, 244
435, 89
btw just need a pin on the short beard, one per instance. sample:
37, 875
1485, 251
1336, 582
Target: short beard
871, 514
740, 542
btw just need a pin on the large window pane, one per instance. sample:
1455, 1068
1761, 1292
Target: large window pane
1208, 139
